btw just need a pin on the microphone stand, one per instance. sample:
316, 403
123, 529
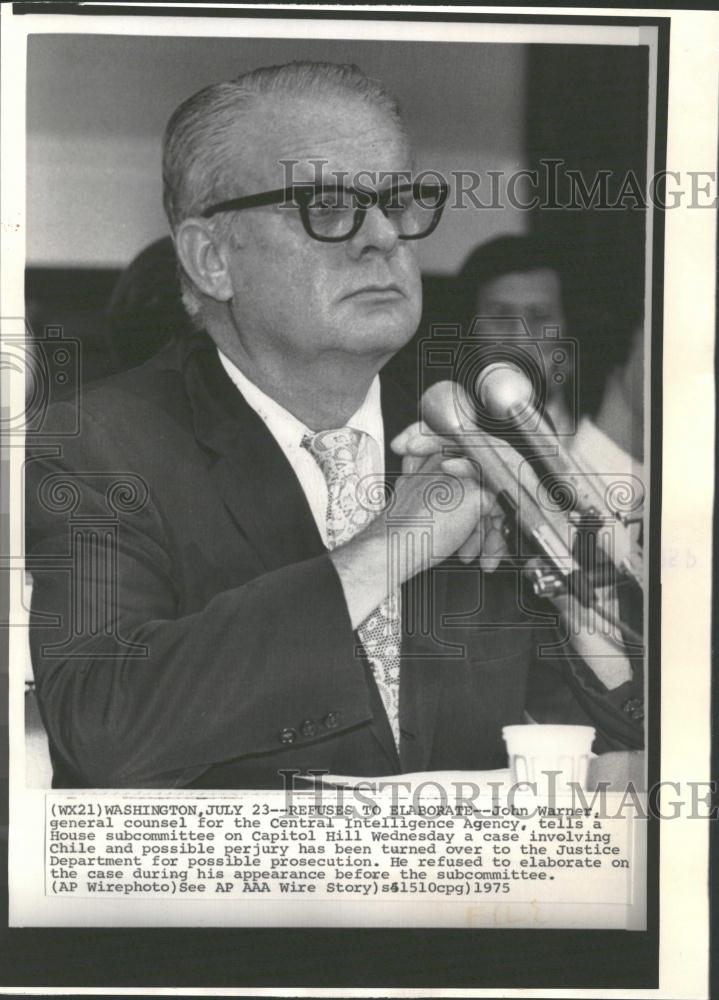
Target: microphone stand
557, 549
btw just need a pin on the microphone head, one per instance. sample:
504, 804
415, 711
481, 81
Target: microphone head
504, 391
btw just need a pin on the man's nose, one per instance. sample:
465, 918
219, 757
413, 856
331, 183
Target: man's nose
375, 233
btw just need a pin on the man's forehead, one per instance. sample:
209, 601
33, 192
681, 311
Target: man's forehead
538, 282
348, 133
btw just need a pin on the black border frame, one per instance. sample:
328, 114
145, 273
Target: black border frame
380, 958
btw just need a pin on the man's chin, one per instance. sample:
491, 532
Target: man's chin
383, 330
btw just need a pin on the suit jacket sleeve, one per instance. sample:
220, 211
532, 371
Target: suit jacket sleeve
564, 689
133, 692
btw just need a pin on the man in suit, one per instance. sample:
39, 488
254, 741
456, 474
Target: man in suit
222, 607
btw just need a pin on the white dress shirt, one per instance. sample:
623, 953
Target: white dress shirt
597, 453
595, 450
288, 432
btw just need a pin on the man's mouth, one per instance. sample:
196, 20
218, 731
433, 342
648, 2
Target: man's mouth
376, 291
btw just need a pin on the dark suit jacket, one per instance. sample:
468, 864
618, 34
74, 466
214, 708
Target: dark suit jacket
189, 628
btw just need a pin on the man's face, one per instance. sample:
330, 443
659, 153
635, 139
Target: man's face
296, 296
536, 296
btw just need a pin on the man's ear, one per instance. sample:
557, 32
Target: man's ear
204, 259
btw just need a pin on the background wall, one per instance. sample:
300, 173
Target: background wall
599, 125
97, 109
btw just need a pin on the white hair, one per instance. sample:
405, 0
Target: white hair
197, 169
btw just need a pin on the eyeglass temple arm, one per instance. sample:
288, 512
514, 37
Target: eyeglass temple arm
250, 201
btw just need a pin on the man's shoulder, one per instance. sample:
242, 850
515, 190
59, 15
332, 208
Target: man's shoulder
135, 415
159, 383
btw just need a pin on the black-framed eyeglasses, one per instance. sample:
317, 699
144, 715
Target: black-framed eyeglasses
333, 214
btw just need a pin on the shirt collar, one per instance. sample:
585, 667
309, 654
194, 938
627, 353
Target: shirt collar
287, 428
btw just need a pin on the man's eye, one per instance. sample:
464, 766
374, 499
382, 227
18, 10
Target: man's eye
321, 208
330, 209
324, 202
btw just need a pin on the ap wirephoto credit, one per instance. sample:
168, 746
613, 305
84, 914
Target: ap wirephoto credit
338, 453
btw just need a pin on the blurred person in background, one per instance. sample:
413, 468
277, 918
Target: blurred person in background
145, 309
520, 277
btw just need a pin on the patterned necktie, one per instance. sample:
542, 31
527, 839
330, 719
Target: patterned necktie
335, 452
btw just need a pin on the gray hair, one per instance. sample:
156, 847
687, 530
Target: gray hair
194, 156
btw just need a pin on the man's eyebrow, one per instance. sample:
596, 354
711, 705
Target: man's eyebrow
343, 181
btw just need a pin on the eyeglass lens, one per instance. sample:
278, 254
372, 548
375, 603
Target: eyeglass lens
332, 213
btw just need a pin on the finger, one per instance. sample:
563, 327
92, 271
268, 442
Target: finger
495, 542
489, 563
473, 545
471, 548
425, 444
491, 506
397, 444
495, 547
418, 440
423, 463
463, 468
495, 509
411, 464
417, 431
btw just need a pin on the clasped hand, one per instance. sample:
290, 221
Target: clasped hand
467, 522
471, 525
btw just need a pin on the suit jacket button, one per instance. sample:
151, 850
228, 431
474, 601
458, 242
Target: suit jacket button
332, 720
634, 707
288, 736
308, 728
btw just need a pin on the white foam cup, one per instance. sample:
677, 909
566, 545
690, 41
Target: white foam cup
535, 751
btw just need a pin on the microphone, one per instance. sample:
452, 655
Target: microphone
504, 391
506, 395
449, 411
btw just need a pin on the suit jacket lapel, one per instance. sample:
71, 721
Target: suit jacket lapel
250, 470
264, 497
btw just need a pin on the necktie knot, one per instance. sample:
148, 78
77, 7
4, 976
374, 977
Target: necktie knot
335, 451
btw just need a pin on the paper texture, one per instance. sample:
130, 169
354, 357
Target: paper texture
159, 831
